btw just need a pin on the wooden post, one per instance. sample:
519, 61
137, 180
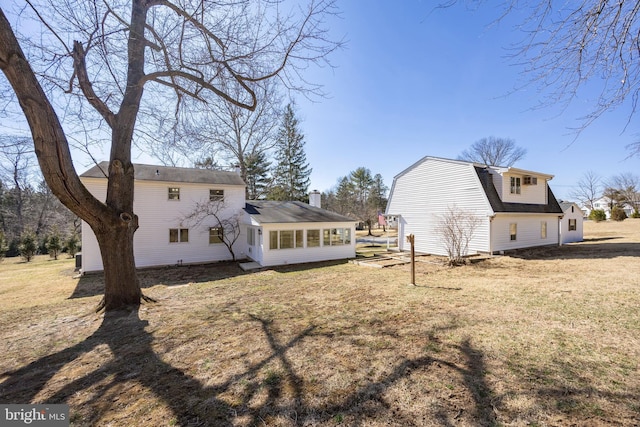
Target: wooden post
411, 239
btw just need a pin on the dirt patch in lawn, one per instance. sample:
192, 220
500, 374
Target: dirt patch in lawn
542, 337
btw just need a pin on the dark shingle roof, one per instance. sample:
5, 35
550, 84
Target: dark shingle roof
271, 211
498, 205
171, 174
564, 205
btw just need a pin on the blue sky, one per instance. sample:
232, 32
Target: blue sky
414, 81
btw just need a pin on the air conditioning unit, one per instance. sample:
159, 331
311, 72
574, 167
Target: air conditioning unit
530, 180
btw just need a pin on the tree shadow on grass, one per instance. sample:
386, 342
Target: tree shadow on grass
582, 250
194, 404
92, 284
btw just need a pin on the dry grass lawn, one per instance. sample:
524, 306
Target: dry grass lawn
547, 337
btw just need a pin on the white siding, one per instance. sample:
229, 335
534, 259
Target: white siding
528, 231
157, 214
271, 257
576, 235
535, 194
423, 193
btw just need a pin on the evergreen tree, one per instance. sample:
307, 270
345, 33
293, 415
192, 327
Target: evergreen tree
28, 246
72, 245
54, 244
257, 170
291, 172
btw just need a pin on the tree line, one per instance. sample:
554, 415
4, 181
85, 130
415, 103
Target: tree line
617, 191
248, 142
359, 195
32, 219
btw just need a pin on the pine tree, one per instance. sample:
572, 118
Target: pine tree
54, 244
291, 173
257, 175
28, 246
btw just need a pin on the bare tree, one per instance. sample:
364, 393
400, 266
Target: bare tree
456, 228
627, 187
234, 134
588, 190
213, 215
187, 52
494, 151
16, 164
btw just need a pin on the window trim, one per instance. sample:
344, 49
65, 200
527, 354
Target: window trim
516, 185
179, 233
575, 224
214, 196
543, 229
513, 231
173, 195
220, 235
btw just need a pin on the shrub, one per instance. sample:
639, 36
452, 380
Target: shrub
28, 246
618, 214
635, 214
72, 245
54, 245
597, 215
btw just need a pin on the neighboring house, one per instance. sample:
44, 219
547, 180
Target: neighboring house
166, 196
571, 227
295, 232
604, 203
514, 208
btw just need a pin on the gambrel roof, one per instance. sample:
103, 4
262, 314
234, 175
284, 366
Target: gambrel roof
272, 211
171, 174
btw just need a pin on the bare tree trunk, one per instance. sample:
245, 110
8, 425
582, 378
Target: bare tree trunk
122, 288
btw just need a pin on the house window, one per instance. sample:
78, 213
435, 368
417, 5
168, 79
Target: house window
216, 234
530, 180
313, 238
216, 195
573, 225
285, 239
513, 230
174, 193
178, 235
326, 237
543, 230
571, 209
337, 236
251, 236
515, 185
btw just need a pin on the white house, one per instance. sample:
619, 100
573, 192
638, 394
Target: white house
166, 196
604, 203
295, 232
514, 208
571, 227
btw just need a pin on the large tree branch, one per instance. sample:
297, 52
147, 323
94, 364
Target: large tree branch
158, 75
80, 69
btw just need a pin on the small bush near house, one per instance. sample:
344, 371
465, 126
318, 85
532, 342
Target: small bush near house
28, 246
635, 214
618, 214
598, 215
